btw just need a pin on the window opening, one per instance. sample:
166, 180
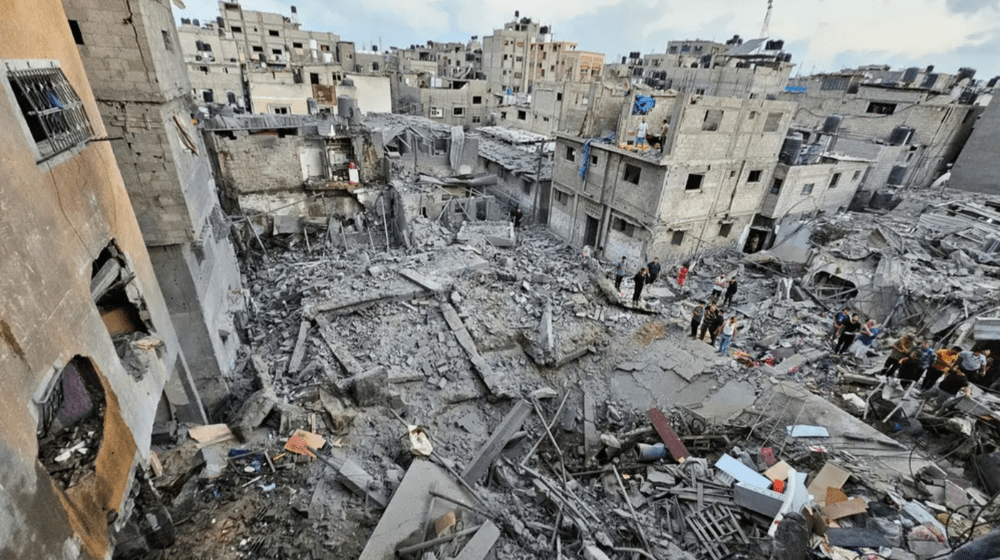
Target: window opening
632, 173
51, 108
754, 176
694, 181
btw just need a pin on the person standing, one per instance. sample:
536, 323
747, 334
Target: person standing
619, 275
696, 316
865, 339
719, 286
640, 281
710, 314
847, 334
716, 327
654, 270
952, 382
900, 349
640, 133
944, 362
730, 292
839, 321
972, 364
909, 370
682, 275
728, 332
927, 357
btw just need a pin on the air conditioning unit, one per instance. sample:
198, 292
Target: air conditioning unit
437, 112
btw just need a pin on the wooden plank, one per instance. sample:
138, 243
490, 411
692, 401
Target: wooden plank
104, 278
295, 364
670, 439
846, 508
491, 450
830, 476
481, 543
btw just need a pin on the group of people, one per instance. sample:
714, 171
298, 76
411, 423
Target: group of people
942, 374
712, 321
646, 275
642, 129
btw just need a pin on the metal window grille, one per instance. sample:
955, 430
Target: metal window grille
52, 109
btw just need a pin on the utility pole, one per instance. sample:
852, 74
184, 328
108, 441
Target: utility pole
767, 21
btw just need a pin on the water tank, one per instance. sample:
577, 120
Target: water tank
294, 10
347, 82
965, 73
910, 75
312, 44
832, 124
220, 21
543, 29
787, 57
196, 23
897, 175
327, 57
347, 108
790, 149
930, 68
312, 105
993, 82
900, 135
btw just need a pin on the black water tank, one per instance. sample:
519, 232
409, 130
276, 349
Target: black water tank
832, 124
930, 68
790, 149
965, 73
993, 82
900, 135
788, 57
196, 23
910, 74
897, 175
220, 22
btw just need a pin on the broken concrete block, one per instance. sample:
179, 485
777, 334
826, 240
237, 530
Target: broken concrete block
854, 403
372, 387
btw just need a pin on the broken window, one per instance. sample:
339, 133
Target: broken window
632, 173
771, 122
694, 181
458, 111
324, 48
236, 29
522, 115
314, 78
74, 28
776, 186
477, 100
525, 186
713, 117
881, 108
437, 112
857, 175
51, 109
561, 197
167, 43
808, 188
754, 176
593, 160
623, 226
570, 153
725, 230
477, 120
71, 422
296, 45
677, 238
206, 95
834, 180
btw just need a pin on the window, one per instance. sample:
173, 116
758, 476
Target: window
753, 115
621, 225
694, 181
477, 120
324, 48
236, 29
522, 115
167, 42
477, 100
203, 69
593, 160
754, 176
525, 186
503, 115
725, 230
713, 117
558, 97
771, 122
279, 110
437, 112
632, 173
561, 197
834, 180
458, 111
776, 186
74, 27
314, 78
519, 59
276, 52
570, 153
257, 48
677, 238
207, 96
857, 175
273, 33
51, 109
808, 188
881, 108
296, 45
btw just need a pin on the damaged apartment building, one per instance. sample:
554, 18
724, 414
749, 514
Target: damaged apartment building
138, 76
286, 172
91, 348
699, 190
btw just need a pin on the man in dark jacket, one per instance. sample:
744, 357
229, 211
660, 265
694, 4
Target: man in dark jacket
640, 279
654, 270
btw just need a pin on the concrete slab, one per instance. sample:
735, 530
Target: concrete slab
409, 507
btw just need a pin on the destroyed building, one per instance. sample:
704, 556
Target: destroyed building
694, 193
163, 161
974, 168
90, 356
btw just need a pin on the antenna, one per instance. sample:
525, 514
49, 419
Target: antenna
767, 21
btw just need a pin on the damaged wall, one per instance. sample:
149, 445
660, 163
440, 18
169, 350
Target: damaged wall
975, 169
60, 215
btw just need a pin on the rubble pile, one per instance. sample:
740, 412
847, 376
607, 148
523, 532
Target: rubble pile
471, 397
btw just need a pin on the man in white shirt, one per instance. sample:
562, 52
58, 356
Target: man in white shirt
640, 135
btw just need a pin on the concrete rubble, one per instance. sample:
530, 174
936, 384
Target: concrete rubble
566, 423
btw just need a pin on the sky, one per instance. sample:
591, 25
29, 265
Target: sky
822, 35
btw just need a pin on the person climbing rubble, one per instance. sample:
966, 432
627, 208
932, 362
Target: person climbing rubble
900, 349
944, 363
730, 292
654, 270
719, 286
839, 320
619, 276
847, 333
728, 332
865, 339
682, 275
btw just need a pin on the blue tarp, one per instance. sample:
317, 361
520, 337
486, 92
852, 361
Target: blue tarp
643, 105
585, 152
795, 89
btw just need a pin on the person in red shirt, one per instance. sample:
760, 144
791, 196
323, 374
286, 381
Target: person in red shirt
682, 276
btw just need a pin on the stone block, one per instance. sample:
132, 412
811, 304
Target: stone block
372, 387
